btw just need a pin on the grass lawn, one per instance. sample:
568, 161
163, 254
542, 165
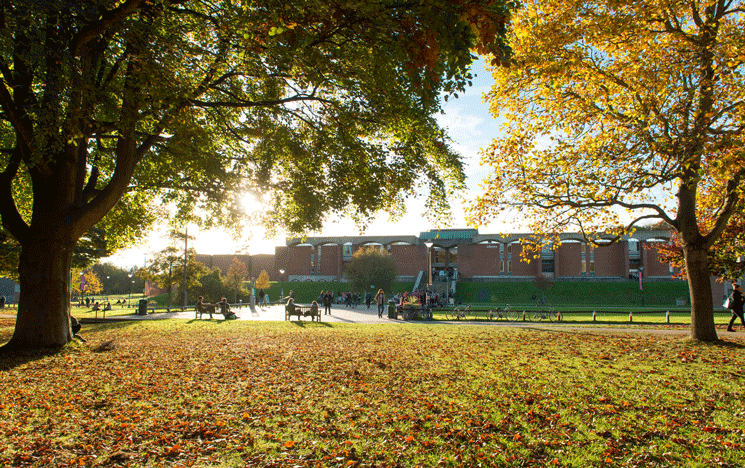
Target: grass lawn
295, 394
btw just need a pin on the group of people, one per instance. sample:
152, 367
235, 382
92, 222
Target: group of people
314, 308
223, 305
326, 298
352, 299
96, 306
429, 298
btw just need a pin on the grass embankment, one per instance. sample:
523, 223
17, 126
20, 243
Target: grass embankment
603, 296
216, 393
587, 294
579, 294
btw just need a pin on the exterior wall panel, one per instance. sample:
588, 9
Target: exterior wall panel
298, 260
478, 260
524, 266
568, 260
653, 266
263, 262
330, 260
409, 259
611, 260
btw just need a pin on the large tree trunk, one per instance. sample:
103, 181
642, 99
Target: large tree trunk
702, 301
43, 319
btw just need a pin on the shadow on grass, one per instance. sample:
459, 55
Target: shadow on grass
598, 331
306, 323
10, 358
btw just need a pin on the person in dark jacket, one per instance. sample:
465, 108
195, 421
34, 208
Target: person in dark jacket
735, 306
75, 326
327, 299
380, 301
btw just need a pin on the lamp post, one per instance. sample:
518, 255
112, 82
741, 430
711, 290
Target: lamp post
641, 286
429, 263
129, 302
282, 278
253, 292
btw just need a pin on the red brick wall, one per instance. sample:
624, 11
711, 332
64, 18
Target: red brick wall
653, 266
568, 259
281, 258
409, 259
478, 260
298, 260
521, 267
263, 262
612, 260
331, 260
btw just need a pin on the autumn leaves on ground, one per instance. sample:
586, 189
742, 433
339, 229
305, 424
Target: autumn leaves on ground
215, 393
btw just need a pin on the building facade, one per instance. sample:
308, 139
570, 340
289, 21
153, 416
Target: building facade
469, 256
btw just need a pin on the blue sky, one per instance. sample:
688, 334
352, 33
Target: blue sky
470, 126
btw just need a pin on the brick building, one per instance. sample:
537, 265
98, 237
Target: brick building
466, 255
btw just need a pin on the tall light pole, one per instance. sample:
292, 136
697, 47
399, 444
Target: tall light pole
641, 285
429, 263
129, 302
186, 262
282, 278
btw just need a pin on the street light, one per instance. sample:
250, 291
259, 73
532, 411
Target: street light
129, 302
282, 278
429, 262
641, 286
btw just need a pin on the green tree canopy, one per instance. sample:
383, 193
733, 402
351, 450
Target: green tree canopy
167, 270
111, 109
370, 267
624, 107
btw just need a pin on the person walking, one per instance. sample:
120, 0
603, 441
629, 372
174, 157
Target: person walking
327, 299
735, 305
368, 298
380, 300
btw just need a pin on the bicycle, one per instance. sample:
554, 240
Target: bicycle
544, 314
425, 313
457, 313
503, 313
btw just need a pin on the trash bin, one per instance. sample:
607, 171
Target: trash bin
142, 308
392, 310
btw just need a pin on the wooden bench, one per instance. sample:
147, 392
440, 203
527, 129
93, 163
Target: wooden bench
205, 308
303, 311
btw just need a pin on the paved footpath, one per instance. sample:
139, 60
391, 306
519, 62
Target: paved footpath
370, 316
275, 313
362, 314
